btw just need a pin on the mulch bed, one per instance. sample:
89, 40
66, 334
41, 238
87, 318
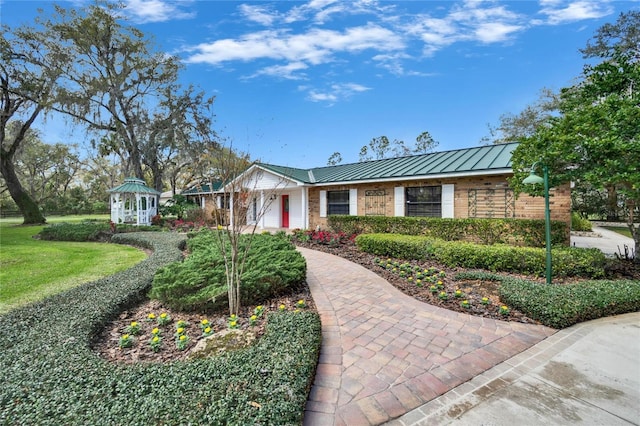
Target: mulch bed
107, 346
107, 343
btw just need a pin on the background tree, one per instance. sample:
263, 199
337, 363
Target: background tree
335, 158
124, 88
425, 143
27, 89
614, 38
596, 137
513, 127
47, 171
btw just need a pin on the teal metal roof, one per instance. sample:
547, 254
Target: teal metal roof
204, 188
301, 175
490, 158
134, 185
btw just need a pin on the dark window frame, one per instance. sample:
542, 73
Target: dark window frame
423, 201
338, 202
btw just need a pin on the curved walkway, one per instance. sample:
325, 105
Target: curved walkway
384, 353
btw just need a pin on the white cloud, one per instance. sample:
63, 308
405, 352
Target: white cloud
472, 20
156, 10
559, 12
315, 47
260, 14
300, 36
493, 32
334, 93
288, 71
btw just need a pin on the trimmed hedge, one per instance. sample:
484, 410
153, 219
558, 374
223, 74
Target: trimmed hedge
272, 266
567, 261
485, 231
87, 231
561, 306
50, 375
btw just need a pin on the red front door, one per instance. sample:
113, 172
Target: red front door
285, 211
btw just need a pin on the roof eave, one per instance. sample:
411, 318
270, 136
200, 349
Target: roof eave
420, 177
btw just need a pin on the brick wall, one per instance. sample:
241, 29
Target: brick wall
481, 196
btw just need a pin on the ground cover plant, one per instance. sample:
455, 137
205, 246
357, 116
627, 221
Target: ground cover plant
33, 269
50, 374
505, 296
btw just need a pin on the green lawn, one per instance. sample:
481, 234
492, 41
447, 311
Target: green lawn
620, 230
31, 269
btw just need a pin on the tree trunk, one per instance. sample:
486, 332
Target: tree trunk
29, 209
612, 204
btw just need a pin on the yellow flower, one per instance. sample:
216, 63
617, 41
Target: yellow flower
180, 330
125, 336
134, 324
155, 339
204, 321
155, 331
151, 316
281, 307
183, 337
233, 323
233, 316
439, 282
163, 315
253, 317
259, 307
219, 227
207, 330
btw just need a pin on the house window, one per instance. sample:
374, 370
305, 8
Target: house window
424, 201
338, 202
224, 201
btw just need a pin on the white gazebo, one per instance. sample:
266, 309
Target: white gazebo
133, 202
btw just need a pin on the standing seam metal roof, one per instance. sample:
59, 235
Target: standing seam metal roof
469, 160
461, 161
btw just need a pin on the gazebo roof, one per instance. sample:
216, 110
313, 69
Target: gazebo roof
134, 186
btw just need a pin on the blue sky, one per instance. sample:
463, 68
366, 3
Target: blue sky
296, 81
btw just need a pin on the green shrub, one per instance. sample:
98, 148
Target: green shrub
485, 231
560, 306
579, 223
272, 266
567, 261
50, 375
393, 245
90, 230
85, 231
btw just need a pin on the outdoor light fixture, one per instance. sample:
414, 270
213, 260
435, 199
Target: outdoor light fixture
534, 179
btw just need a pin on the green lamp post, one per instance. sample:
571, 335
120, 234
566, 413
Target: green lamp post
534, 179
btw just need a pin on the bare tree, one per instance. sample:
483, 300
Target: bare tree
243, 200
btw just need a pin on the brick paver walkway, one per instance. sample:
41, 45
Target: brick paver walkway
384, 353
